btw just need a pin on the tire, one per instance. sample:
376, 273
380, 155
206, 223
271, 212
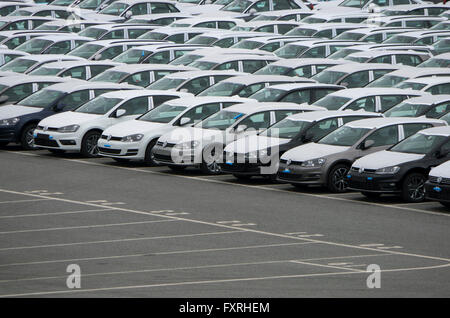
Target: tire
242, 177
413, 187
89, 144
446, 204
26, 137
177, 168
56, 151
210, 168
149, 158
371, 195
121, 160
337, 178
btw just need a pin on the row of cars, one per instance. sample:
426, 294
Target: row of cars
293, 95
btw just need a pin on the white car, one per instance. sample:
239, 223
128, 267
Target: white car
405, 73
116, 142
202, 145
434, 85
80, 129
437, 188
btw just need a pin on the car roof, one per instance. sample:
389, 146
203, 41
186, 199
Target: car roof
38, 8
375, 53
354, 67
142, 92
255, 106
421, 33
428, 99
49, 57
414, 72
294, 86
166, 45
132, 68
111, 26
10, 18
62, 37
199, 100
429, 80
22, 79
249, 79
197, 73
74, 85
319, 115
324, 41
372, 123
443, 131
232, 57
372, 91
443, 56
67, 64
322, 26
307, 61
206, 18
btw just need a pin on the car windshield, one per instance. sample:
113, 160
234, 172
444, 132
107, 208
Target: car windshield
221, 120
411, 85
46, 71
419, 143
387, 81
273, 70
290, 51
344, 136
435, 62
114, 9
222, 89
19, 65
62, 2
237, 6
301, 32
86, 50
199, 39
166, 83
247, 44
443, 46
331, 102
90, 4
401, 39
92, 32
359, 59
353, 3
446, 118
328, 77
99, 105
47, 27
109, 76
286, 128
163, 113
42, 99
153, 35
34, 46
132, 56
268, 94
349, 36
342, 53
203, 65
186, 59
406, 110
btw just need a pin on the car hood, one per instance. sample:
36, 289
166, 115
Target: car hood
254, 143
10, 111
67, 118
383, 159
187, 134
442, 170
312, 151
131, 127
9, 73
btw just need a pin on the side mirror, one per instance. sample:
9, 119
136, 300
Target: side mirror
120, 113
345, 84
184, 121
441, 154
128, 14
240, 128
252, 11
97, 57
184, 90
60, 106
4, 99
368, 143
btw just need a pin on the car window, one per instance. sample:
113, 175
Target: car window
159, 58
139, 9
321, 92
315, 52
358, 79
226, 25
284, 28
98, 92
198, 113
74, 100
365, 103
384, 136
257, 121
224, 42
378, 73
209, 24
387, 59
304, 71
438, 111
176, 38
261, 6
135, 106
405, 59
324, 34
253, 66
161, 74
411, 129
347, 119
44, 85
300, 96
111, 52
425, 41
251, 89
159, 99
116, 34
445, 148
439, 89
62, 47
228, 66
323, 127
134, 33
18, 92
388, 101
75, 72
267, 28
97, 69
281, 5
281, 114
10, 57
197, 85
141, 79
162, 8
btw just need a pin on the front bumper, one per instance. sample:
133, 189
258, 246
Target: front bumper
240, 165
55, 140
167, 155
118, 149
437, 192
294, 173
370, 182
8, 134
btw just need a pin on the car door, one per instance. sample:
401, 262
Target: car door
252, 124
133, 108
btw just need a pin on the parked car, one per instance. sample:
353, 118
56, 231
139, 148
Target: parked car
411, 58
7, 55
115, 141
403, 168
437, 187
79, 130
312, 48
298, 67
393, 78
433, 85
52, 44
441, 60
327, 161
28, 63
83, 70
259, 155
18, 121
116, 31
434, 106
238, 62
13, 23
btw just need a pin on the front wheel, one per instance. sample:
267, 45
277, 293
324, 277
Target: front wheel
413, 187
89, 144
27, 138
149, 159
337, 178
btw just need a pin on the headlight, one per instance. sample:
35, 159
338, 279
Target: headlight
388, 170
132, 138
187, 145
9, 121
314, 162
68, 129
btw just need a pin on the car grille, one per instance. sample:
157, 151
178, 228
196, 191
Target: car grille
293, 162
168, 145
109, 151
43, 140
356, 169
48, 128
164, 158
112, 138
442, 181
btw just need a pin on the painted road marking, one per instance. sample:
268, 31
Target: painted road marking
236, 223
55, 213
20, 201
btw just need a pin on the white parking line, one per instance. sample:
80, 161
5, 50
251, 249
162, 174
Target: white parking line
55, 213
328, 266
116, 240
84, 227
20, 201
